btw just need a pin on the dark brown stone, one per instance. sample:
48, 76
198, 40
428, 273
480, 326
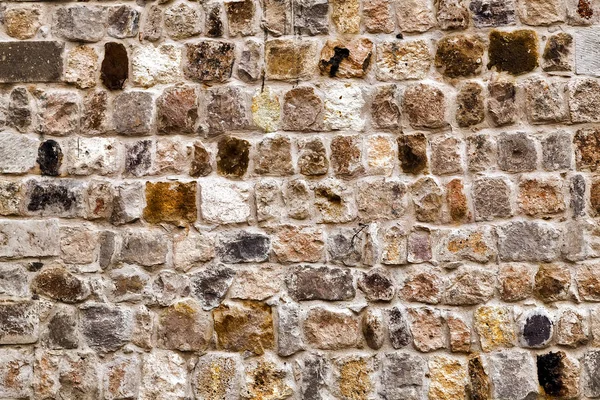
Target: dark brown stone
469, 107
459, 56
209, 61
201, 164
412, 153
50, 158
233, 156
320, 283
514, 52
59, 284
31, 61
115, 66
479, 383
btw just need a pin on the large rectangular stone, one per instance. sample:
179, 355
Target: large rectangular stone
29, 238
31, 61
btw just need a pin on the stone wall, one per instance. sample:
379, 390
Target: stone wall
303, 199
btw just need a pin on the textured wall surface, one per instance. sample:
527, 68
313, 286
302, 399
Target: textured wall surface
303, 199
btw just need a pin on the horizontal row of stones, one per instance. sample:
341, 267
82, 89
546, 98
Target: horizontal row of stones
456, 56
185, 109
506, 375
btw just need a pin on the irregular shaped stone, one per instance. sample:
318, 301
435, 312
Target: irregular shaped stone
277, 17
19, 109
491, 199
128, 284
17, 153
412, 153
61, 331
251, 65
123, 22
398, 330
128, 203
105, 327
572, 329
591, 376
115, 66
424, 287
266, 379
78, 244
266, 110
557, 151
452, 14
346, 246
479, 382
512, 375
54, 198
487, 13
427, 199
138, 158
244, 327
558, 53
414, 16
274, 156
227, 109
377, 285
16, 373
154, 65
501, 103
445, 155
459, 55
514, 52
345, 15
459, 334
515, 282
470, 105
184, 326
313, 383
545, 101
494, 327
536, 328
373, 328
182, 21
209, 61
225, 203
334, 202
146, 248
32, 238
343, 107
80, 23
346, 156
216, 377
81, 67
94, 118
87, 156
240, 16
22, 22
73, 374
583, 100
427, 329
541, 13
346, 59
243, 246
58, 113
558, 374
210, 286
311, 17
540, 198
191, 249
289, 59
331, 330
122, 376
298, 244
302, 110
425, 106
312, 159
377, 16
164, 374
167, 287
528, 241
289, 332
19, 323
472, 286
448, 378
201, 163
320, 283
297, 197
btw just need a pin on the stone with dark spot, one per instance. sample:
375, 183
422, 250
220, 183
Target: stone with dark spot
587, 149
233, 156
201, 164
61, 332
558, 53
488, 13
59, 284
106, 328
31, 61
558, 375
346, 59
516, 152
214, 20
377, 285
60, 198
320, 283
536, 328
470, 107
209, 61
514, 52
138, 158
244, 246
173, 202
373, 327
115, 66
479, 382
50, 157
459, 55
211, 285
552, 283
310, 17
577, 192
398, 328
412, 153
123, 22
244, 327
19, 322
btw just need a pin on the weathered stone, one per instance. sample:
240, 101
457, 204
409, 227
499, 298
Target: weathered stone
123, 22
152, 29
479, 382
182, 21
213, 19
138, 158
61, 331
331, 330
54, 198
72, 375
16, 373
427, 328
33, 238
536, 328
153, 65
167, 287
346, 59
512, 373
334, 202
10, 198
502, 101
373, 328
22, 22
346, 155
311, 17
184, 326
487, 13
127, 104
540, 198
377, 16
427, 199
17, 153
266, 110
572, 329
591, 373
211, 285
105, 327
267, 379
78, 245
558, 374
164, 374
541, 12
381, 199
269, 200
445, 155
558, 53
346, 246
289, 332
298, 244
380, 154
414, 16
94, 118
115, 66
345, 15
556, 151
377, 285
87, 156
258, 283
515, 282
528, 241
146, 248
470, 286
251, 65
122, 376
191, 249
584, 101
243, 246
277, 17
297, 197
452, 14
128, 203
81, 67
312, 159
470, 105
584, 12
419, 246
545, 101
170, 202
385, 107
398, 330
14, 281
216, 377
128, 284
514, 52
424, 287
302, 110
459, 334
403, 375
403, 60
313, 379
19, 323
320, 283
425, 106
343, 107
58, 113
241, 17
80, 23
466, 244
227, 109
245, 327
201, 163
516, 152
19, 109
448, 378
225, 203
412, 153
494, 325
31, 61
491, 198
287, 59
209, 61
172, 155
459, 56
273, 156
